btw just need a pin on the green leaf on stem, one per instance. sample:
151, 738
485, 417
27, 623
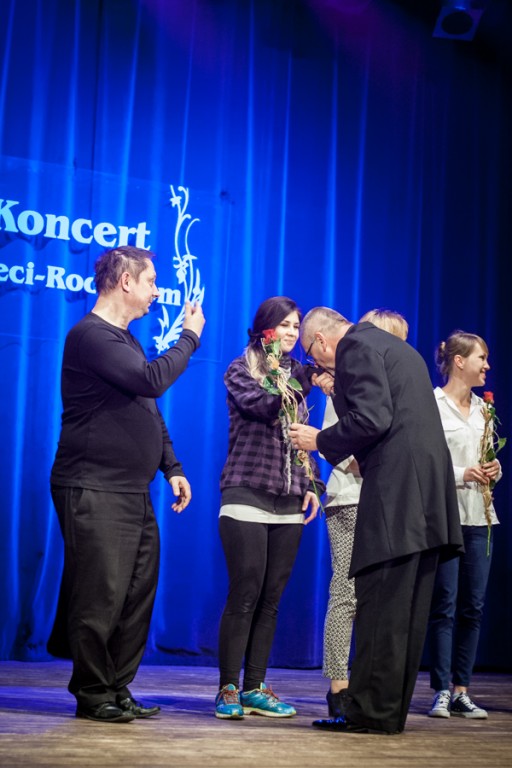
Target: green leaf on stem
294, 384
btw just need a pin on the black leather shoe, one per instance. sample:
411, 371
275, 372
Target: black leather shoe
136, 708
342, 725
337, 702
106, 712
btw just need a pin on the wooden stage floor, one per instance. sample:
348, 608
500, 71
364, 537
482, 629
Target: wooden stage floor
38, 726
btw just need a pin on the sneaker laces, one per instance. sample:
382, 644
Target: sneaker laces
229, 696
442, 699
269, 693
465, 700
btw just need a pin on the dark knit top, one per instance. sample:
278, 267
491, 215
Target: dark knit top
255, 469
113, 437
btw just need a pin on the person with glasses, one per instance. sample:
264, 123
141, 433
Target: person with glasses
407, 513
267, 498
343, 491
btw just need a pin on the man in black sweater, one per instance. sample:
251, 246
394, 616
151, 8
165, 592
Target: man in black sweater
113, 440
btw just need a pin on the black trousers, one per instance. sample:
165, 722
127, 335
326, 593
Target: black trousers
259, 559
393, 603
111, 560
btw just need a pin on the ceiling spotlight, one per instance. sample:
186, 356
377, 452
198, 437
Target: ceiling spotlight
458, 19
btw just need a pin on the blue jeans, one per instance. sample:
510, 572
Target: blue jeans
456, 612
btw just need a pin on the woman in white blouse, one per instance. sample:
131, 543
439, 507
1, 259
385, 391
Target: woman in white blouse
461, 583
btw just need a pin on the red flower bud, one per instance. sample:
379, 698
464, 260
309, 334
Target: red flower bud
269, 335
489, 398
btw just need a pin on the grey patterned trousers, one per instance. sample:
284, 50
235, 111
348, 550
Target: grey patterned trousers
341, 608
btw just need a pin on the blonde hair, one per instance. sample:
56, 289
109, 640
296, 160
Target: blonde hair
256, 364
388, 320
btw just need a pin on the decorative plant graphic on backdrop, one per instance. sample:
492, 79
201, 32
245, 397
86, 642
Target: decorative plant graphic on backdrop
188, 276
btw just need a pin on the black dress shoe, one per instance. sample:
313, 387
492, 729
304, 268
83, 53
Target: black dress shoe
342, 725
106, 712
136, 708
337, 702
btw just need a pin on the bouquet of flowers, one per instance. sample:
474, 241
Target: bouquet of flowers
279, 382
490, 444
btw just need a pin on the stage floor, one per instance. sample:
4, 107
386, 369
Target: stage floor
38, 726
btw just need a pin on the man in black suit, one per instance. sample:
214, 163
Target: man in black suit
407, 516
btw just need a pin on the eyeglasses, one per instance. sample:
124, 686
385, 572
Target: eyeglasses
309, 358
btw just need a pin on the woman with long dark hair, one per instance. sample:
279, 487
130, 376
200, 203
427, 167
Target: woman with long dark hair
266, 496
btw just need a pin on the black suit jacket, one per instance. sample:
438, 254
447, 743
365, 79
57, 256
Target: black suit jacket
389, 420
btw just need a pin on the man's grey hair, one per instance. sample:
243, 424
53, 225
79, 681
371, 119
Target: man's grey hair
322, 319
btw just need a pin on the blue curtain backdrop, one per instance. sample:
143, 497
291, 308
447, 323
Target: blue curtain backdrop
332, 151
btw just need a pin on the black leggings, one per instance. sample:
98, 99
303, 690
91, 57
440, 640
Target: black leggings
259, 559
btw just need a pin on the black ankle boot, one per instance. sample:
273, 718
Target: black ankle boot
337, 703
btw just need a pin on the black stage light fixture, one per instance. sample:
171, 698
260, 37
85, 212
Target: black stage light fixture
458, 19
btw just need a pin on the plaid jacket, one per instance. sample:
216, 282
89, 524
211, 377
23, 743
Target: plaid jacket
256, 451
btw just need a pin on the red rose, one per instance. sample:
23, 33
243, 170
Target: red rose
489, 398
269, 335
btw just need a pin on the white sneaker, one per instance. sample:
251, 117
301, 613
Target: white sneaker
440, 704
462, 706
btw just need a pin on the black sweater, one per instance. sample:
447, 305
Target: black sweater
113, 437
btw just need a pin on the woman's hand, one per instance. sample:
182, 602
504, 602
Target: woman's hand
323, 380
311, 501
491, 469
353, 468
477, 474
